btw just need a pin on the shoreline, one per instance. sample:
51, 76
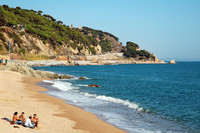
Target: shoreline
85, 62
47, 86
35, 63
29, 97
76, 110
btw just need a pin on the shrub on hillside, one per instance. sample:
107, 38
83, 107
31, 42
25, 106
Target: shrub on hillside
2, 38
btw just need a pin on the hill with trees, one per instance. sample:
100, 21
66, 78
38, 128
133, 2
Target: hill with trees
45, 35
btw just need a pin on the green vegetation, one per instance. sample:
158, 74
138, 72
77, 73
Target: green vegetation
15, 37
99, 33
2, 38
92, 50
54, 32
48, 29
130, 51
131, 45
44, 26
105, 45
80, 48
22, 51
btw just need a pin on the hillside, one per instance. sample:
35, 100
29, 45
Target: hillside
34, 33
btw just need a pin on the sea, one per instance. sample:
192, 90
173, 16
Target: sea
137, 98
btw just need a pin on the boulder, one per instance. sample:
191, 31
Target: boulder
28, 71
56, 76
65, 77
82, 78
172, 62
94, 85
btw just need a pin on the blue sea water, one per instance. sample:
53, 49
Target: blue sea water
137, 97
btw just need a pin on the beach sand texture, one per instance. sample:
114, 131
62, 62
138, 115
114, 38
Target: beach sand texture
19, 93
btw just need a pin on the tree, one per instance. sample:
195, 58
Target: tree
2, 20
40, 12
92, 50
49, 17
18, 7
59, 22
105, 45
6, 7
101, 36
131, 44
130, 50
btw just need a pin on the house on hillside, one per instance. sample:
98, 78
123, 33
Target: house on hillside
19, 27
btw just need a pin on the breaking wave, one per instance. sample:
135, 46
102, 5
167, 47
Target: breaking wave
66, 86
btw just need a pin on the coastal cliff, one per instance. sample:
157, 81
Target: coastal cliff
32, 35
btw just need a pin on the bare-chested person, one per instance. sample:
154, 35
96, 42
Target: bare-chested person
35, 119
16, 119
22, 117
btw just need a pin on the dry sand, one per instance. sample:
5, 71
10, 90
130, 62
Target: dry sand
19, 93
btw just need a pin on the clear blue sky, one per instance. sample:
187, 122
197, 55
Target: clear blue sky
168, 28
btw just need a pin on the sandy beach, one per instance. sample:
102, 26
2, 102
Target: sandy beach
20, 93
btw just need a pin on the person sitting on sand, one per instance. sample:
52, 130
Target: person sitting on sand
35, 120
22, 117
16, 119
28, 122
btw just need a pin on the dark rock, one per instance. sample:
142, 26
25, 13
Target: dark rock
56, 76
65, 77
94, 85
82, 78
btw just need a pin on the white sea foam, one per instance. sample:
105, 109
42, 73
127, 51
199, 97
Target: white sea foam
47, 81
116, 100
82, 85
66, 86
120, 101
63, 86
79, 77
87, 78
89, 95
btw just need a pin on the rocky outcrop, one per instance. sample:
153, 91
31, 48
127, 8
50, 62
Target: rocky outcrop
33, 45
82, 78
116, 46
47, 63
28, 71
172, 62
94, 85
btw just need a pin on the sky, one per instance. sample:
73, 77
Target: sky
168, 28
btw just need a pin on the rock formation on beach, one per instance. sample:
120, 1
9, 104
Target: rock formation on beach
28, 71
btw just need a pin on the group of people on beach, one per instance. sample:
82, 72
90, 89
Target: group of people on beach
30, 122
3, 62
